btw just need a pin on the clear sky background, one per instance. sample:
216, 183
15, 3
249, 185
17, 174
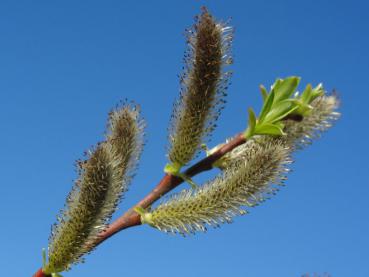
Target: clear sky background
65, 64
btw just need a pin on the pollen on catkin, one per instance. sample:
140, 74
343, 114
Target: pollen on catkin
103, 177
245, 183
203, 88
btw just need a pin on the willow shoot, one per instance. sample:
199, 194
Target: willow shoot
253, 164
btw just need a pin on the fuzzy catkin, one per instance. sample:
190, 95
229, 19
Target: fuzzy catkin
245, 183
103, 177
203, 88
249, 172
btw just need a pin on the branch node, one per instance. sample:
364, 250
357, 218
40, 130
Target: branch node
145, 216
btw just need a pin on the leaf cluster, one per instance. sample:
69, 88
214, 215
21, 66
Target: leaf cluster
280, 102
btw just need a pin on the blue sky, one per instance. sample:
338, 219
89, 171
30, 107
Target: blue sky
65, 64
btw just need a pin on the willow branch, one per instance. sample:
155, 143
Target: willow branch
166, 184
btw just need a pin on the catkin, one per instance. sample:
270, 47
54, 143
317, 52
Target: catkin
203, 88
103, 177
244, 183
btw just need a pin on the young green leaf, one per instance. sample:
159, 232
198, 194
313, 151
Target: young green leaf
269, 129
306, 95
280, 110
267, 106
264, 92
252, 123
285, 88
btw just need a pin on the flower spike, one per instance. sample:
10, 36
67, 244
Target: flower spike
203, 89
245, 182
103, 178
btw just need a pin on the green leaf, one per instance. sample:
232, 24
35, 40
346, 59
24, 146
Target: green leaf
306, 95
269, 129
252, 123
264, 92
277, 84
281, 110
285, 88
267, 106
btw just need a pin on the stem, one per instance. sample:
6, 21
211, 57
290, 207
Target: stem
39, 273
167, 183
